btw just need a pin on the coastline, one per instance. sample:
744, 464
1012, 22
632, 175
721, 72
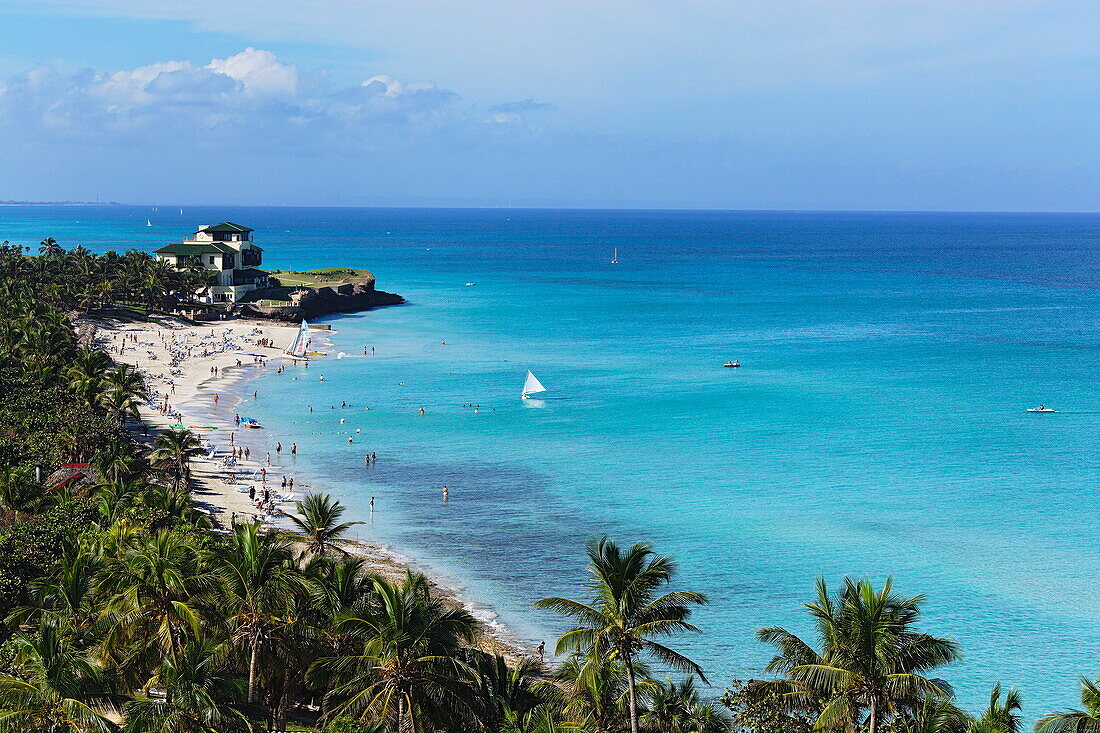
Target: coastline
190, 389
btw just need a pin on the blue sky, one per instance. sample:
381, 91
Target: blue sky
785, 104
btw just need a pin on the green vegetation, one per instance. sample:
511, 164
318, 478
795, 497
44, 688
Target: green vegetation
292, 280
122, 609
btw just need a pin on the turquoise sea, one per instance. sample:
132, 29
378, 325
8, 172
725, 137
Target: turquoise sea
878, 426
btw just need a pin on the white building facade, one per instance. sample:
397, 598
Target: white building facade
226, 249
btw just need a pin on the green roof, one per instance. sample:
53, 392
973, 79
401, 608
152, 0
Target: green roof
200, 248
226, 226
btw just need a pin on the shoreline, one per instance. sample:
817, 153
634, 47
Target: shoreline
215, 486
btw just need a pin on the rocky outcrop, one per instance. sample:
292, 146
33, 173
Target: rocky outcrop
345, 298
310, 302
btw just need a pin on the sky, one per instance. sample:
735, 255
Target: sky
722, 104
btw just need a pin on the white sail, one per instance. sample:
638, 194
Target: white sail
148, 223
301, 341
532, 385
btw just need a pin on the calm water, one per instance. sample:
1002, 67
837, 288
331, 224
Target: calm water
877, 427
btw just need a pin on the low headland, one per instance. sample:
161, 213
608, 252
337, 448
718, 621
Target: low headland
151, 582
294, 295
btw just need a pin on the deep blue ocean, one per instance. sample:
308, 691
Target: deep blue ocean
878, 426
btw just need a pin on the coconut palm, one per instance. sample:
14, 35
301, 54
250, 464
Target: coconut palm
198, 693
407, 669
49, 248
120, 405
1075, 721
319, 525
55, 688
338, 585
125, 378
678, 708
1002, 715
503, 692
872, 659
173, 450
257, 579
625, 613
591, 691
154, 591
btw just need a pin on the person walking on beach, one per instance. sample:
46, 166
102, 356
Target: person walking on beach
263, 477
293, 449
284, 483
247, 452
252, 493
371, 500
215, 400
541, 650
290, 483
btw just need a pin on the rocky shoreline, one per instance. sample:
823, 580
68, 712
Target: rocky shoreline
311, 301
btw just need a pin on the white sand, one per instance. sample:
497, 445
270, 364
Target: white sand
190, 387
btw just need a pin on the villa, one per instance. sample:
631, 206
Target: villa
224, 248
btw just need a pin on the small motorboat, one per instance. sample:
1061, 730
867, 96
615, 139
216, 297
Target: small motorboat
250, 422
1041, 408
732, 364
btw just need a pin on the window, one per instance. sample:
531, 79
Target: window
211, 259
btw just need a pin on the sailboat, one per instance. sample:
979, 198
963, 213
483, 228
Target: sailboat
531, 386
148, 223
297, 348
615, 256
181, 212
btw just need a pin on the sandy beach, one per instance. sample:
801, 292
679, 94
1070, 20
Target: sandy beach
199, 374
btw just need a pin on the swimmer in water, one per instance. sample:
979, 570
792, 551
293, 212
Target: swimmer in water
422, 411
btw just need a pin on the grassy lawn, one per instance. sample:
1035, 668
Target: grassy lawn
293, 279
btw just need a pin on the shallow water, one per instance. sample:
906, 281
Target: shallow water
877, 427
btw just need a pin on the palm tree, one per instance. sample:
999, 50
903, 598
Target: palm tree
120, 405
625, 612
1002, 716
407, 667
872, 659
125, 378
154, 593
56, 688
319, 525
197, 694
49, 248
1075, 721
173, 449
503, 692
257, 577
591, 691
678, 708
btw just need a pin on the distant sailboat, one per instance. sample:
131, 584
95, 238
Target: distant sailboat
615, 256
148, 223
297, 348
181, 212
531, 386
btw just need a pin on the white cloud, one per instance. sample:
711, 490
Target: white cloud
261, 73
251, 96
